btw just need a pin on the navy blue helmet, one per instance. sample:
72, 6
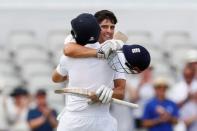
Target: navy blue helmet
85, 29
131, 59
137, 57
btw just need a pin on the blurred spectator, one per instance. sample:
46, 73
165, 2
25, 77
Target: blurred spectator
180, 92
140, 95
17, 112
160, 114
3, 117
189, 111
144, 86
191, 57
42, 117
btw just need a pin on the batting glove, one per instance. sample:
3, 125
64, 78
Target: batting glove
104, 94
107, 47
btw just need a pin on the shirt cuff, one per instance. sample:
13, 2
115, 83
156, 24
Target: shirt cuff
61, 71
119, 75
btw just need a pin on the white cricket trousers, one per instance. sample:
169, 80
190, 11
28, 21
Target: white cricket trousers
70, 122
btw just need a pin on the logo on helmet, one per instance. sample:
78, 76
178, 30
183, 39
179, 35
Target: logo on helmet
92, 38
136, 50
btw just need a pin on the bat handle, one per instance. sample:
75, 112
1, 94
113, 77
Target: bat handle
132, 105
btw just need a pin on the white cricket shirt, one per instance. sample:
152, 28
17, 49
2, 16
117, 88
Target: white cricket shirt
88, 73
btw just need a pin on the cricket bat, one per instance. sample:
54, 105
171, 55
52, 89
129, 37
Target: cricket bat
92, 95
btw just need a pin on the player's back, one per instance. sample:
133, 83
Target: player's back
88, 73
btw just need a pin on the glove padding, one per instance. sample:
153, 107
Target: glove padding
107, 47
104, 94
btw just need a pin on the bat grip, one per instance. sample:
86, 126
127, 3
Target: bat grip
132, 105
114, 100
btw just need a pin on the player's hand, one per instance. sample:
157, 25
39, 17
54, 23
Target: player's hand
104, 94
113, 44
107, 47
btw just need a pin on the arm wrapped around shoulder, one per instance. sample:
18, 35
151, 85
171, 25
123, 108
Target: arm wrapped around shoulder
107, 47
104, 94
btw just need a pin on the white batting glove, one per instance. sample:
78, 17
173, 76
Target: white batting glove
114, 44
107, 47
104, 94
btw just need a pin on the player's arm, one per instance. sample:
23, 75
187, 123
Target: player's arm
119, 88
60, 73
72, 49
105, 94
57, 77
75, 50
119, 85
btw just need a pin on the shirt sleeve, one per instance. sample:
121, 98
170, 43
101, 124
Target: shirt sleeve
68, 39
61, 67
118, 75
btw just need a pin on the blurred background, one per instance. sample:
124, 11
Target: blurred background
32, 34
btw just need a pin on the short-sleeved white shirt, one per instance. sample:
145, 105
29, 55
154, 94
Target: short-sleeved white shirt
88, 73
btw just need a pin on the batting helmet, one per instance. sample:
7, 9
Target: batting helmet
132, 59
85, 29
137, 57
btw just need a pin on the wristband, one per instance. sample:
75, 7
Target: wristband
100, 54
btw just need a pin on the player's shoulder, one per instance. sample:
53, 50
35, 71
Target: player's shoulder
69, 39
